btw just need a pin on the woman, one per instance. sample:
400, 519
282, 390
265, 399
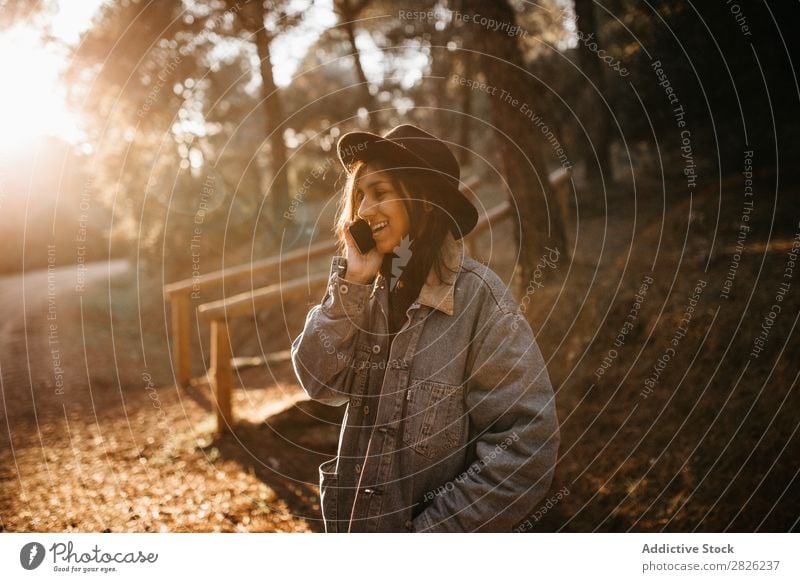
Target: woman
450, 423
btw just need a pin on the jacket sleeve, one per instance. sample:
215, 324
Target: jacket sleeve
322, 355
512, 412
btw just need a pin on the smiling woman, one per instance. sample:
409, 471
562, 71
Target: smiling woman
450, 423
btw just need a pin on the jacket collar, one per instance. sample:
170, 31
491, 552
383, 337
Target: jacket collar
438, 293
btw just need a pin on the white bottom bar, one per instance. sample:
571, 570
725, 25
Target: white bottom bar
389, 557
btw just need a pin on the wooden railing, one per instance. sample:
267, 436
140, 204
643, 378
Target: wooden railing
219, 313
178, 294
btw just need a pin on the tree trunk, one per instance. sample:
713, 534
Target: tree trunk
592, 67
536, 208
273, 108
348, 16
465, 126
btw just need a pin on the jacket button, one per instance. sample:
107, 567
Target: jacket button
409, 525
343, 288
376, 349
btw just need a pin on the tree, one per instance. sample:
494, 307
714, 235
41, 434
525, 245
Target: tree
349, 11
534, 203
594, 70
15, 12
254, 17
162, 112
465, 126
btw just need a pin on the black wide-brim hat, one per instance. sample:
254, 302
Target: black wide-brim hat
409, 147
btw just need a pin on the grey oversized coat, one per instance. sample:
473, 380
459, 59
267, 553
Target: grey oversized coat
451, 429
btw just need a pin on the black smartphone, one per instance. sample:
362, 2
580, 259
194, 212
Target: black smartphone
362, 234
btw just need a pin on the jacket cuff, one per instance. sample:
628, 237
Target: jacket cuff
344, 298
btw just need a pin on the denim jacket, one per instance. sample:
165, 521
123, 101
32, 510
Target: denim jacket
452, 427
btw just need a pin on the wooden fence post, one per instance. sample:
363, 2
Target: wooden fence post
221, 375
562, 187
180, 338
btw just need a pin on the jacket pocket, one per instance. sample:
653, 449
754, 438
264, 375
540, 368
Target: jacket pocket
434, 417
329, 495
360, 365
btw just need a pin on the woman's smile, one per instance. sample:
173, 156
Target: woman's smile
379, 227
385, 238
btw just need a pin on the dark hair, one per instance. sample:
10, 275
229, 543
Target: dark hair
429, 228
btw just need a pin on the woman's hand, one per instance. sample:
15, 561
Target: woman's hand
360, 268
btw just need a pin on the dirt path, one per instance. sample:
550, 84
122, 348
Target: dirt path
90, 442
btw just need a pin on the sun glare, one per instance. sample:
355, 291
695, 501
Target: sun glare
32, 100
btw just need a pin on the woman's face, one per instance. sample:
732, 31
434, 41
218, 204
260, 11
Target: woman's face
382, 207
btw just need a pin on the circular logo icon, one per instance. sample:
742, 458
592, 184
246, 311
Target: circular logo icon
31, 555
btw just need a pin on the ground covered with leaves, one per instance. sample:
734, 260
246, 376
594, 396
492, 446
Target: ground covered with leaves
700, 438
